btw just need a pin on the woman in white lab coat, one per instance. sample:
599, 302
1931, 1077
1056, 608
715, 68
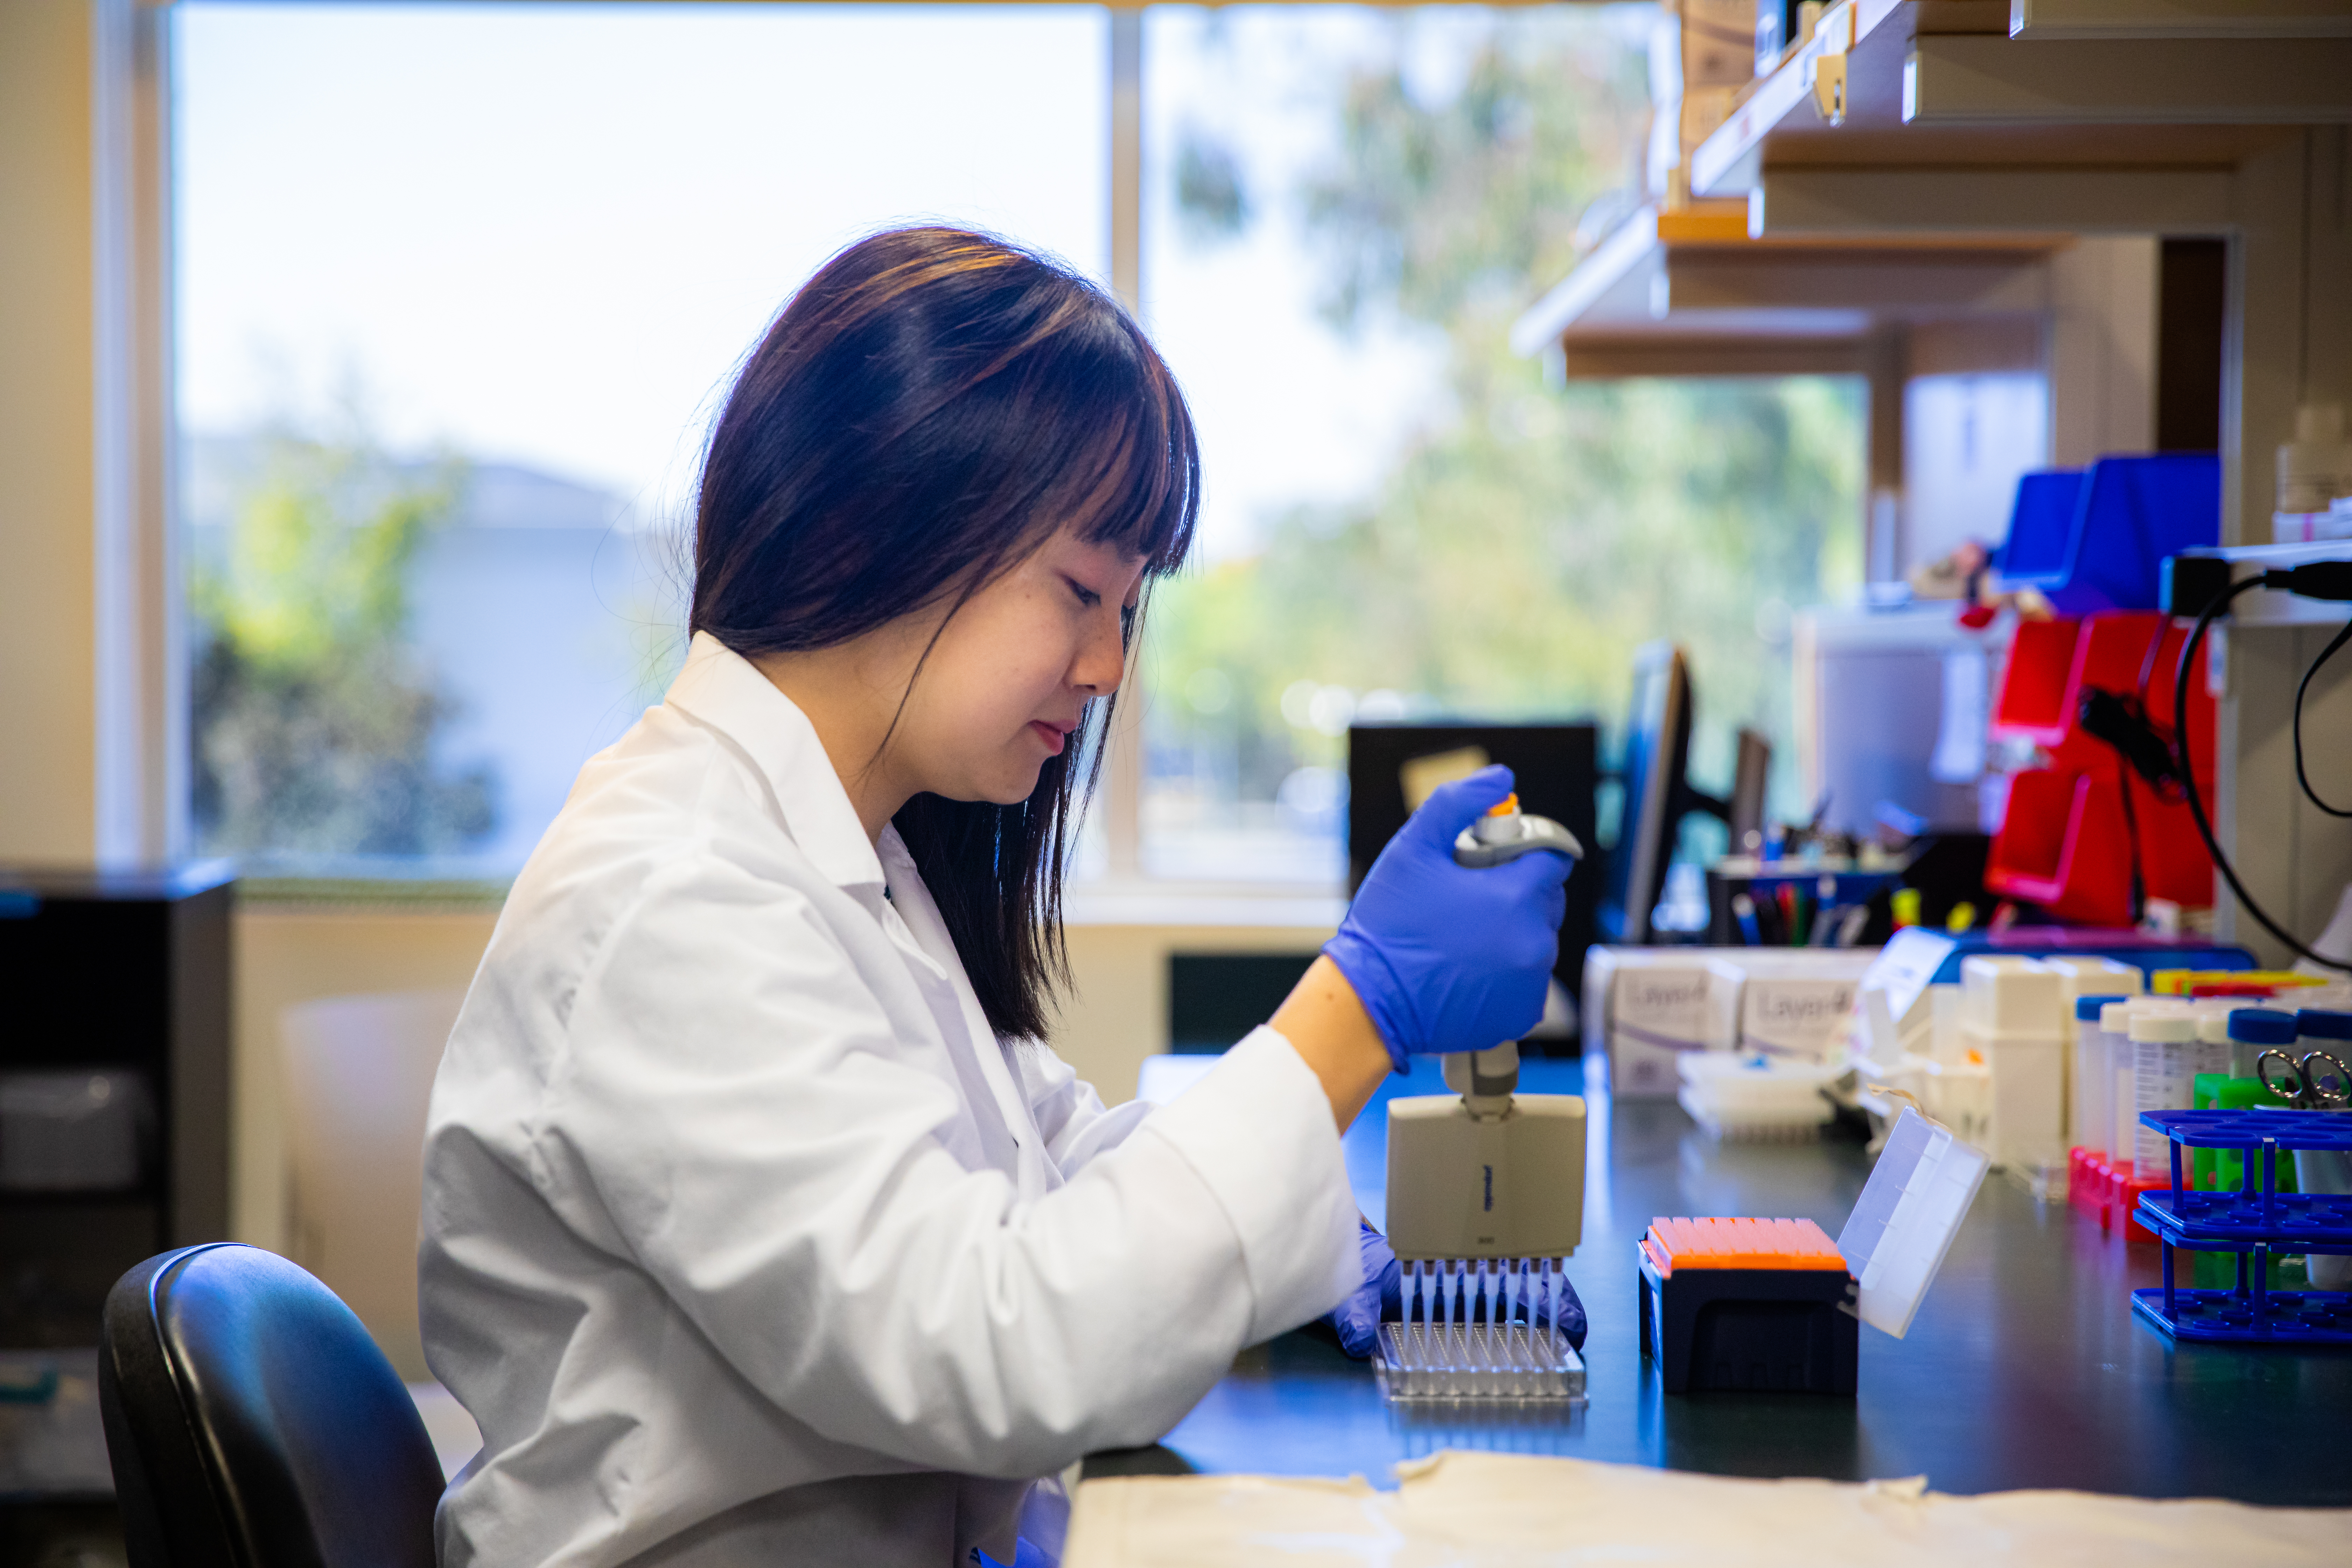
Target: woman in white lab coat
761, 1225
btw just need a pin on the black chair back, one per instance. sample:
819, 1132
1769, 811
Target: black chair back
252, 1423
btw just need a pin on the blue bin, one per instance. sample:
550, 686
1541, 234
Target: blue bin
2096, 539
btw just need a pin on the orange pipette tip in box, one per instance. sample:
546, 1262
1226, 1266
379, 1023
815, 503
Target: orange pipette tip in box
1674, 1244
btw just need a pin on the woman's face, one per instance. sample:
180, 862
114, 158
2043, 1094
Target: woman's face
1008, 683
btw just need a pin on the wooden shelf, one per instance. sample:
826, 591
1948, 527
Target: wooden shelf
1687, 292
2043, 19
1934, 84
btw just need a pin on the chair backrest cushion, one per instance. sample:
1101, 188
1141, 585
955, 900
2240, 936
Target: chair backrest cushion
253, 1424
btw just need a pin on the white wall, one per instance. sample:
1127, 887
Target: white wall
88, 594
49, 461
2102, 357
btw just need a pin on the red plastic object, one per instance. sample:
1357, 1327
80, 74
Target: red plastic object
2032, 702
2091, 1185
2064, 844
2086, 1184
2067, 839
2127, 1201
2172, 857
2105, 1190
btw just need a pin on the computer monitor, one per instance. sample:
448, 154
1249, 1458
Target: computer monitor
1751, 777
1650, 772
1658, 794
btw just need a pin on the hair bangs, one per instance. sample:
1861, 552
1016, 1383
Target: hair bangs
1127, 464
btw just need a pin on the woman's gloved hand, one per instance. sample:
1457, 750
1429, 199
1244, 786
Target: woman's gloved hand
1443, 957
1571, 1324
1378, 1300
1381, 1299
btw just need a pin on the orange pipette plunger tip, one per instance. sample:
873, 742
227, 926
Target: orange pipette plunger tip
1508, 807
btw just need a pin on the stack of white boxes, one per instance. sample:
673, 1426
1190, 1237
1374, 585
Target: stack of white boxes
1643, 1008
2008, 1020
1787, 1002
1743, 1036
1956, 1078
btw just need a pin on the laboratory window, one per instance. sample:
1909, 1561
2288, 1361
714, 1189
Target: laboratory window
457, 289
1344, 210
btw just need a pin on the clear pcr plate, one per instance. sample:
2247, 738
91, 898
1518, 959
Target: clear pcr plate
1481, 1361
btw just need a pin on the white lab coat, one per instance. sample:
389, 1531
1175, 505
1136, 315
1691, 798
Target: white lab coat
745, 1241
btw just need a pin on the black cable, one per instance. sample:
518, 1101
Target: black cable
2300, 777
2220, 605
2138, 897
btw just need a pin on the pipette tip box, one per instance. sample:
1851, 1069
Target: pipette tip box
1775, 1304
1749, 1304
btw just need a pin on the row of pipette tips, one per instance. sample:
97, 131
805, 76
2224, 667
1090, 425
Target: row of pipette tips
1483, 1290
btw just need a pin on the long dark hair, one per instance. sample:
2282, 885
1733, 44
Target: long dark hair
928, 410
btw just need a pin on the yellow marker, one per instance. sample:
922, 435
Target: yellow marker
1906, 906
1962, 917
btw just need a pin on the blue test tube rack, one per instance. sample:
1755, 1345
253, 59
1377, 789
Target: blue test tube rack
2253, 1222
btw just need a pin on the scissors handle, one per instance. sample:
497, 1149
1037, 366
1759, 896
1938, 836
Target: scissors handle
2317, 1096
2302, 1089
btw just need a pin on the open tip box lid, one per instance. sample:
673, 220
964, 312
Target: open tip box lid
1893, 1243
1904, 1222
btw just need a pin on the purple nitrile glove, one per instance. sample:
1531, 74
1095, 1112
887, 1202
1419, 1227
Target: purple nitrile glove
1358, 1320
1571, 1324
1445, 958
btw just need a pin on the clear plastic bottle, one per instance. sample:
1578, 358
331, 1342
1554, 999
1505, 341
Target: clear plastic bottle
2091, 1121
2212, 1053
2252, 1031
2164, 1051
2115, 1049
2324, 1029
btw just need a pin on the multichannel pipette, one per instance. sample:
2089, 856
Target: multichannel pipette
1486, 1203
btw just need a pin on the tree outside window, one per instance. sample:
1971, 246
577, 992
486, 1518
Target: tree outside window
1498, 547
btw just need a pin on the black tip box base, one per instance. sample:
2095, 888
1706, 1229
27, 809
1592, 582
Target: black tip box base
1781, 1329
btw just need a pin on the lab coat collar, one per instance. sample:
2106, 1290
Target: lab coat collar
726, 692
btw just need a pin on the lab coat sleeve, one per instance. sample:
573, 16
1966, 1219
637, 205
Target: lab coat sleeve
735, 1107
1077, 1125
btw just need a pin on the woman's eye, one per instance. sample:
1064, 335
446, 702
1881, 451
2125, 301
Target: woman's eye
1086, 596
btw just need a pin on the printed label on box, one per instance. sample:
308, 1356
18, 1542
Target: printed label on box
1652, 1010
1793, 1018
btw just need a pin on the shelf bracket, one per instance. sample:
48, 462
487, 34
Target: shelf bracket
1825, 63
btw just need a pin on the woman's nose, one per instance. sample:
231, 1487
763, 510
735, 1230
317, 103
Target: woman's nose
1102, 659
